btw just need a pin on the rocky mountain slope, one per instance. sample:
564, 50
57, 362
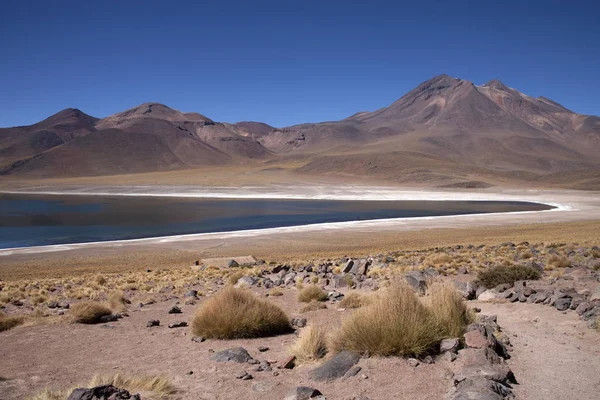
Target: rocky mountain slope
446, 130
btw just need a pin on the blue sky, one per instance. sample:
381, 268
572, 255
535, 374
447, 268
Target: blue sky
285, 62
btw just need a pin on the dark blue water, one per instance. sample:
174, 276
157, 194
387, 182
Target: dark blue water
34, 220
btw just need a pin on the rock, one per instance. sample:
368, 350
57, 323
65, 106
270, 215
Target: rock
502, 287
563, 303
427, 360
298, 322
198, 339
246, 281
104, 392
180, 324
417, 280
595, 297
480, 388
488, 295
576, 301
449, 345
352, 372
232, 264
53, 304
413, 362
175, 310
583, 308
541, 297
483, 363
192, 293
361, 267
236, 354
262, 349
153, 322
341, 281
337, 296
348, 267
288, 363
263, 387
108, 318
475, 339
304, 393
243, 376
335, 367
462, 271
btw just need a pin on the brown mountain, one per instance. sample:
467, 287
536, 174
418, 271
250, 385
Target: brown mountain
147, 138
447, 131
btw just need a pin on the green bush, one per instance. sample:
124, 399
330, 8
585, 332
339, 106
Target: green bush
498, 275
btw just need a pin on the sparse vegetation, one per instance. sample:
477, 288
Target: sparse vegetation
8, 322
89, 312
498, 275
313, 306
275, 292
116, 300
311, 345
233, 278
157, 385
397, 322
310, 293
236, 313
559, 261
449, 309
353, 300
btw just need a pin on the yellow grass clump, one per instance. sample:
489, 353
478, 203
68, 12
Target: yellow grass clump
313, 306
311, 345
236, 313
353, 300
89, 312
310, 293
157, 385
117, 302
233, 278
398, 323
275, 292
448, 308
559, 261
437, 259
8, 322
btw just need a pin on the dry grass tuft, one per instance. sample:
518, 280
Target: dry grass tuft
449, 309
559, 261
397, 322
236, 313
233, 278
353, 300
275, 292
437, 259
494, 276
311, 345
100, 280
89, 312
117, 302
157, 385
311, 293
313, 306
48, 394
8, 322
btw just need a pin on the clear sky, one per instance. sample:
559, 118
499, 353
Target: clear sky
286, 62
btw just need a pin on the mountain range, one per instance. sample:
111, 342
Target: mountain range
446, 131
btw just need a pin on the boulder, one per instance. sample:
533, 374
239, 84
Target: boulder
174, 310
584, 307
475, 339
488, 295
103, 392
298, 322
246, 281
595, 297
236, 354
563, 303
480, 388
232, 264
335, 367
348, 267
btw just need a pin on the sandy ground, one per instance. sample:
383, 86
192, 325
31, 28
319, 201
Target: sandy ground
555, 355
63, 355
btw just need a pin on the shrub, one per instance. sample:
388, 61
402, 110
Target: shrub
311, 345
313, 306
353, 300
116, 300
100, 280
89, 312
235, 313
494, 276
396, 322
275, 292
8, 322
311, 293
437, 259
559, 261
157, 385
233, 278
449, 309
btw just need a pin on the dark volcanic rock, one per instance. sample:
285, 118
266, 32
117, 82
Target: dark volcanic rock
336, 367
236, 354
303, 393
105, 392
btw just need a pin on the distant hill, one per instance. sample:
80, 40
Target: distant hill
447, 131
